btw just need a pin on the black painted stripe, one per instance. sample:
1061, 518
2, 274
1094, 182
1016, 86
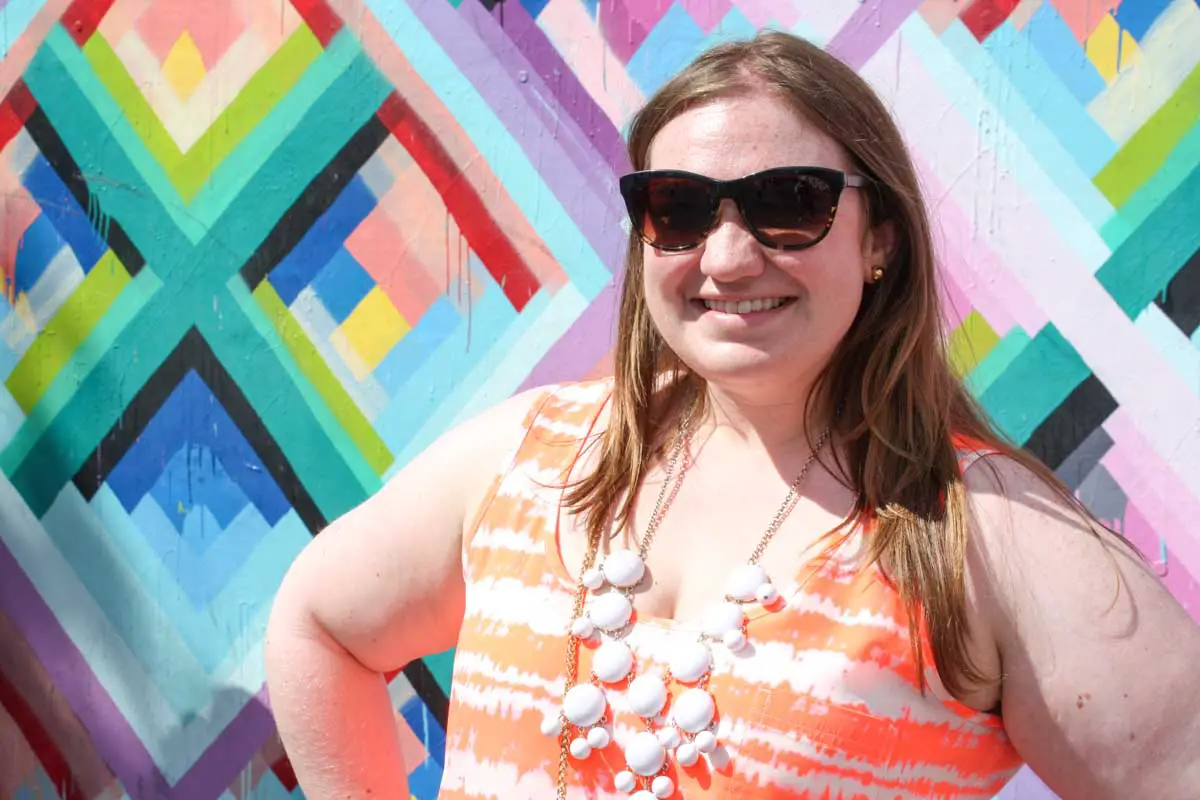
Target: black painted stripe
314, 201
1069, 425
107, 228
194, 353
1181, 299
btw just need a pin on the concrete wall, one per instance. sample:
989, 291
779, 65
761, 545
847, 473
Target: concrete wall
258, 254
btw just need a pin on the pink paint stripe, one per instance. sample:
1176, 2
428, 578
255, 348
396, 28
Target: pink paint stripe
17, 57
627, 23
115, 740
1147, 481
974, 267
1179, 583
868, 28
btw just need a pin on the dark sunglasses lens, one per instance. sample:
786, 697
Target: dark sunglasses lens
672, 212
790, 210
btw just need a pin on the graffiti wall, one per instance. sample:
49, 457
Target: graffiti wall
258, 253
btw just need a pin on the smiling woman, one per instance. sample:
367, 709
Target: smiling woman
779, 554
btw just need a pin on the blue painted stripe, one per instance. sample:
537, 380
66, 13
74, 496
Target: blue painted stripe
429, 386
431, 330
322, 241
673, 42
1055, 42
14, 19
59, 206
971, 81
1138, 16
1050, 100
39, 245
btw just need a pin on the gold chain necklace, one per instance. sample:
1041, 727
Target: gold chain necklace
582, 724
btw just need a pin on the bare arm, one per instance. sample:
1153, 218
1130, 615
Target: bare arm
1100, 692
381, 586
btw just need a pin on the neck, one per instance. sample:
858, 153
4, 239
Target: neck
770, 422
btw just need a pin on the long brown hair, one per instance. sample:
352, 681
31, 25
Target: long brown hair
900, 406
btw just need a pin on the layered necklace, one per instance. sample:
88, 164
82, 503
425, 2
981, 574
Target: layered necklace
603, 616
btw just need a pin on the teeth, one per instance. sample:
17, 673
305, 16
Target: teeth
745, 306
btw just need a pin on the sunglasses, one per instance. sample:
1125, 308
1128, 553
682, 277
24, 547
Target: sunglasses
786, 208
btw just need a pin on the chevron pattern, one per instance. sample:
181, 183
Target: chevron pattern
258, 254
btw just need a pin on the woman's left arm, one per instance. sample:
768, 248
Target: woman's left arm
1100, 664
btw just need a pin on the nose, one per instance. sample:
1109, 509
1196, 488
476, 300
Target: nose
731, 252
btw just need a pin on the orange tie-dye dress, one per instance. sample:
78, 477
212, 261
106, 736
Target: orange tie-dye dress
826, 705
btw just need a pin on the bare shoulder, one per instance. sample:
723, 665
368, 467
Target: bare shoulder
1098, 679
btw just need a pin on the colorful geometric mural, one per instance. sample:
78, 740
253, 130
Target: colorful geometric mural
258, 254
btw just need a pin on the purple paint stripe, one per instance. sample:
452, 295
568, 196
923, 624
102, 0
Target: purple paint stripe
868, 28
111, 734
560, 81
587, 341
575, 190
625, 24
229, 753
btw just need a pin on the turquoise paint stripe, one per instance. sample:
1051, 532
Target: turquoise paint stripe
89, 121
343, 63
1181, 162
1047, 370
99, 399
471, 381
88, 540
442, 667
424, 392
268, 375
1051, 101
37, 490
1147, 260
496, 146
506, 375
674, 41
967, 73
993, 365
14, 19
247, 597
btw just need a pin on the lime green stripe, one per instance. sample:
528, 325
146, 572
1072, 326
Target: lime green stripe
132, 102
65, 83
337, 477
124, 309
1148, 149
970, 343
998, 359
330, 389
256, 99
65, 331
1181, 162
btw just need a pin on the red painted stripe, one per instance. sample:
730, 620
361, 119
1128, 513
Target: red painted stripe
320, 18
43, 746
984, 16
481, 231
16, 107
285, 773
83, 17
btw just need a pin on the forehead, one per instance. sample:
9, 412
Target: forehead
732, 137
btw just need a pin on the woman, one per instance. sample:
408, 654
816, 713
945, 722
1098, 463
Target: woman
779, 555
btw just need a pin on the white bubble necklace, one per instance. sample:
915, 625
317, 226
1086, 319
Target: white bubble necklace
604, 615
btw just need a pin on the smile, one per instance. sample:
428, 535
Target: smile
746, 306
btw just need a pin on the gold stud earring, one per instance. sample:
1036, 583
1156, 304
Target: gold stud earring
877, 274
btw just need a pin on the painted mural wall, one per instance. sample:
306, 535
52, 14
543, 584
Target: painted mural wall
258, 253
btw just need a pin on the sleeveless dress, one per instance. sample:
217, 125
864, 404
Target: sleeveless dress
827, 706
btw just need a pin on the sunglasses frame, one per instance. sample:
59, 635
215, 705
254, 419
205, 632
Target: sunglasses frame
733, 189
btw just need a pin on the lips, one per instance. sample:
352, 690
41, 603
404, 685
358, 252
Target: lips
745, 306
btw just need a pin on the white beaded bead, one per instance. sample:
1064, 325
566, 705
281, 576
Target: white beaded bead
662, 787
625, 781
580, 748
